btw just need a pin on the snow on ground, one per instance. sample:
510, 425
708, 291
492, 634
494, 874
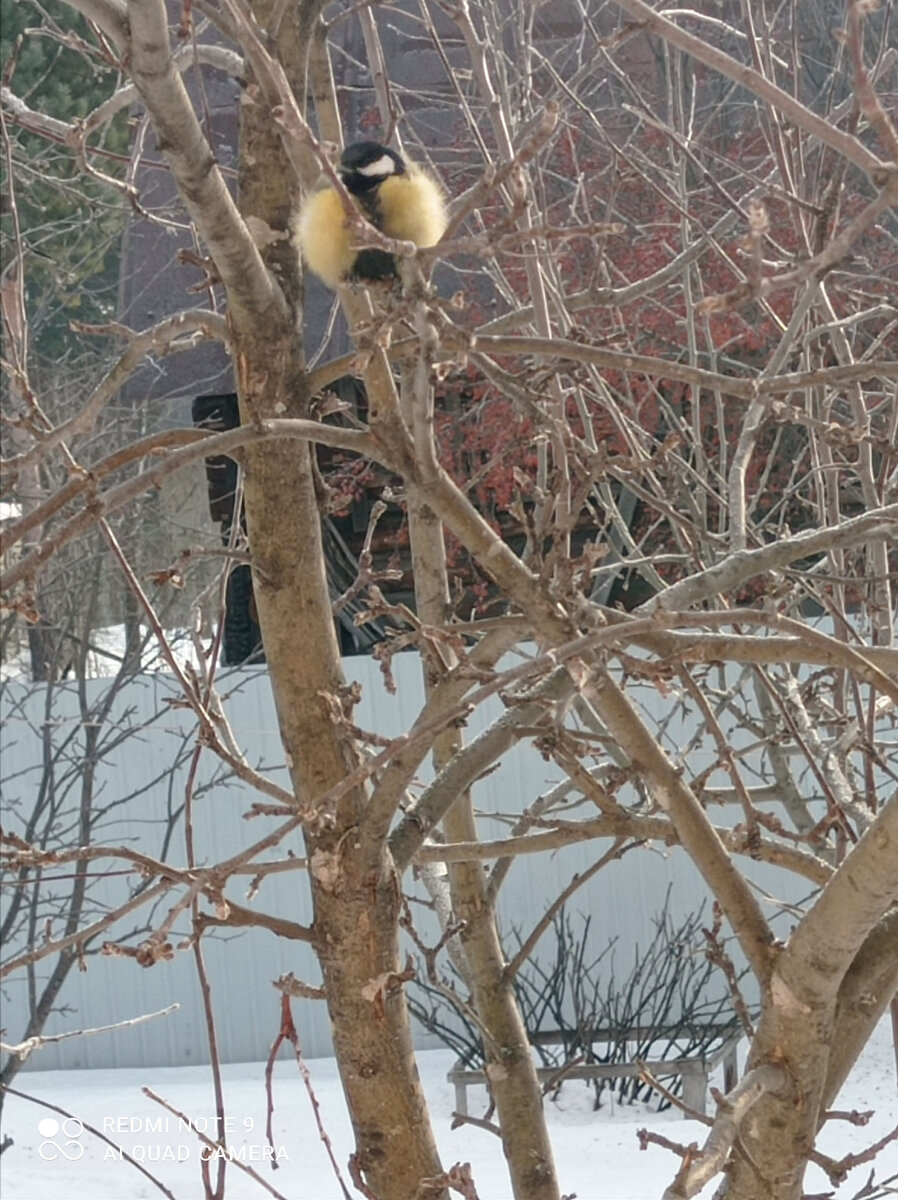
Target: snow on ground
597, 1154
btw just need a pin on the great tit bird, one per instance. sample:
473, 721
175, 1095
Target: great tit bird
398, 197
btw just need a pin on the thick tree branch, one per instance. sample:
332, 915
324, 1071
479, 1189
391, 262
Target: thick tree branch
852, 657
467, 763
296, 136
620, 825
738, 568
253, 294
824, 943
731, 1112
110, 15
704, 845
864, 995
874, 664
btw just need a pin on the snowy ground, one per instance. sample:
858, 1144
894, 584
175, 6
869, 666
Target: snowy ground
598, 1154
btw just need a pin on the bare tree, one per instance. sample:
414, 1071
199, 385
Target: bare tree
80, 715
673, 473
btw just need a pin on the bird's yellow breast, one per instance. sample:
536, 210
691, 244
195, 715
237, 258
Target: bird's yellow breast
409, 207
412, 208
321, 235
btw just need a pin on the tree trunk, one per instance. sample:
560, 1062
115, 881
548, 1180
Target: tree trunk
816, 1042
354, 887
781, 1127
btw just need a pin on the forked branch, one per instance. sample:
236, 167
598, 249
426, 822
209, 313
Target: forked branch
700, 1167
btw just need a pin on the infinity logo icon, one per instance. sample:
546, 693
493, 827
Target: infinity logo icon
71, 1128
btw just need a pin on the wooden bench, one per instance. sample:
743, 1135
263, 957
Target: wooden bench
694, 1071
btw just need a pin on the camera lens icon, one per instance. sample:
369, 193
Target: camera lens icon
60, 1139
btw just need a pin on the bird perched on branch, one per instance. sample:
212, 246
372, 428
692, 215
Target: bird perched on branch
397, 196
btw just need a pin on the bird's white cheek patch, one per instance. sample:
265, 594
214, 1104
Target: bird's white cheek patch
380, 167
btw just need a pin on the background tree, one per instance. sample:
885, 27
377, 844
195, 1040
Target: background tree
64, 801
685, 358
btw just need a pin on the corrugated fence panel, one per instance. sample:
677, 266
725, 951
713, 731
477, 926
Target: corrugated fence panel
143, 760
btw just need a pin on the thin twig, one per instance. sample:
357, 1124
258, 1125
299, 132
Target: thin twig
23, 1049
215, 1147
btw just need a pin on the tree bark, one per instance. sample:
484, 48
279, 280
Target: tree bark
869, 987
820, 1006
354, 887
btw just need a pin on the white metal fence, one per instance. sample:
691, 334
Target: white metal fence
141, 795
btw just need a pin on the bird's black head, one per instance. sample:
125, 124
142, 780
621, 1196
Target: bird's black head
364, 165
